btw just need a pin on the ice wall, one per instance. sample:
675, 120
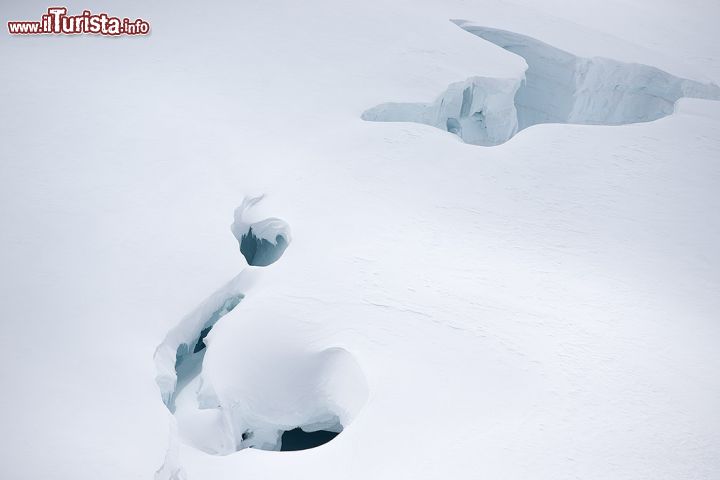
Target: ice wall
479, 110
558, 87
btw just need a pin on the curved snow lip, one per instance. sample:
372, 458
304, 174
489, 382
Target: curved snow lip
558, 87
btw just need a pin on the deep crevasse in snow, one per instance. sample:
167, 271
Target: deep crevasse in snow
281, 393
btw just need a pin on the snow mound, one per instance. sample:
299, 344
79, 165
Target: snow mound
278, 393
558, 87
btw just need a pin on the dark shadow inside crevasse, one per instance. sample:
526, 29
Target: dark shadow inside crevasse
298, 439
201, 341
260, 252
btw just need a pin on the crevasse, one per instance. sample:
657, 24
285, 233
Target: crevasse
278, 395
558, 87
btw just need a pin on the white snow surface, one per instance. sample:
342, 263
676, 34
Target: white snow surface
542, 309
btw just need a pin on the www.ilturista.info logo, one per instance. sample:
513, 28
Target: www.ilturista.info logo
57, 21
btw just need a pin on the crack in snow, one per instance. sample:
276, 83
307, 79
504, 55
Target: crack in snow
319, 392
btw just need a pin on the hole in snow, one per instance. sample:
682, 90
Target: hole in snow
558, 87
299, 439
261, 252
263, 242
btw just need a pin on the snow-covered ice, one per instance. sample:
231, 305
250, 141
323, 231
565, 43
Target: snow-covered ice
544, 308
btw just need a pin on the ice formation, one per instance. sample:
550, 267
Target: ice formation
558, 87
276, 395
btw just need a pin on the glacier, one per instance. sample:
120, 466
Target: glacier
542, 308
